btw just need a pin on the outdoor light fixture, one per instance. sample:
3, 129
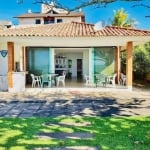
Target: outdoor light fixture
3, 53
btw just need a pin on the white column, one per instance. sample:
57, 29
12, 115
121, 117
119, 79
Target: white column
91, 63
86, 62
52, 63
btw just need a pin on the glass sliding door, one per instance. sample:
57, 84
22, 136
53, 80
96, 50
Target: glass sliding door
38, 60
104, 60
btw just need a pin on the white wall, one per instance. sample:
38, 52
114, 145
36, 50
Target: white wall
91, 62
74, 56
17, 57
69, 19
86, 62
27, 21
3, 60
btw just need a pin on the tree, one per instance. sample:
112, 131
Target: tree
141, 57
141, 60
121, 19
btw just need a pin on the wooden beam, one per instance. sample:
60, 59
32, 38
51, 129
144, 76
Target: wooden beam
118, 63
10, 47
129, 64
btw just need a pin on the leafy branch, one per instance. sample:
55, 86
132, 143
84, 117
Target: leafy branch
142, 5
86, 3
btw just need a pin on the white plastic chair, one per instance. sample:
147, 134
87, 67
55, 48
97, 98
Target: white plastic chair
122, 79
112, 79
61, 80
36, 80
46, 78
88, 80
100, 80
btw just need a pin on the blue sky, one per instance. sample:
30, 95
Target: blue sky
9, 9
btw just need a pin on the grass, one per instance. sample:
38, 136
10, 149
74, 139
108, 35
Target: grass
110, 133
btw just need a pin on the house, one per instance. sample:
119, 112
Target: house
57, 46
5, 24
64, 42
50, 14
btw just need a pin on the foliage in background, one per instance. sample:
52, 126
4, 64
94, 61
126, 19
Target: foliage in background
141, 56
141, 61
121, 19
86, 3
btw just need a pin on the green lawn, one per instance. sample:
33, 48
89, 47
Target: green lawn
128, 133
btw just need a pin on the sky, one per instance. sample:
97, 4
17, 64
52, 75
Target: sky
93, 14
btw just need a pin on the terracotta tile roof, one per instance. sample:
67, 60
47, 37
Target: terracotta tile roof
73, 29
41, 15
1, 28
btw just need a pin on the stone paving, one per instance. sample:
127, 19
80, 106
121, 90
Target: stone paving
40, 104
102, 107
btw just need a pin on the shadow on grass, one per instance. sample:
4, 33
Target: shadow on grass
109, 132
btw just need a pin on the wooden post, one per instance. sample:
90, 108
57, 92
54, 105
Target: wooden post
129, 65
118, 63
10, 46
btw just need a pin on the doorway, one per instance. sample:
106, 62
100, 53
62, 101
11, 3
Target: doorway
79, 69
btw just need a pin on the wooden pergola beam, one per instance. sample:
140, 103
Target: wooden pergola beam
118, 63
129, 64
10, 46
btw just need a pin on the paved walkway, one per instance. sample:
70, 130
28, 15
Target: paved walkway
74, 102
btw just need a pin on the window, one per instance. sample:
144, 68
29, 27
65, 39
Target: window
49, 20
59, 20
37, 21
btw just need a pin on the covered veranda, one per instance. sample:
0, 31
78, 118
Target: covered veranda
80, 35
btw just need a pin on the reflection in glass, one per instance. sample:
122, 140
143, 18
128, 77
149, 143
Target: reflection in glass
104, 58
